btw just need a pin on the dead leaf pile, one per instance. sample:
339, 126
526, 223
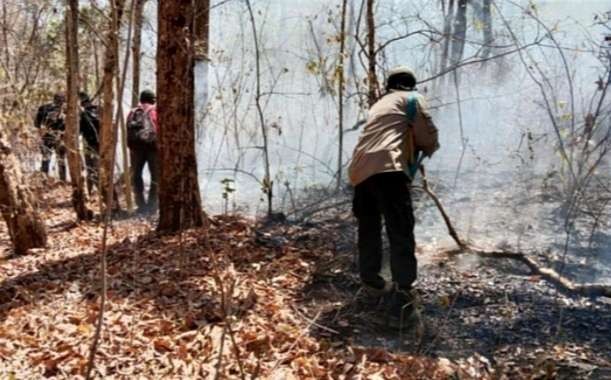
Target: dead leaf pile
201, 303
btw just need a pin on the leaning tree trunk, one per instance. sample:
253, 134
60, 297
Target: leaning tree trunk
25, 227
179, 197
108, 130
372, 78
72, 114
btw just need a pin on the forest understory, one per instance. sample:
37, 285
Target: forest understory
278, 301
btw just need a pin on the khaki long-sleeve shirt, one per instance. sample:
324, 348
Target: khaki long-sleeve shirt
391, 139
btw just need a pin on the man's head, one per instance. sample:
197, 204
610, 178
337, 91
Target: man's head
148, 97
84, 98
400, 78
59, 99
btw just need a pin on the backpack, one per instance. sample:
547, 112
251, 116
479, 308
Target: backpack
54, 118
140, 128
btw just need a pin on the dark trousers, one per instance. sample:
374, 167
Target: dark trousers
387, 195
144, 155
52, 143
92, 158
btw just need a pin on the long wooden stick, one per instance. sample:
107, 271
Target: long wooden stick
446, 218
550, 275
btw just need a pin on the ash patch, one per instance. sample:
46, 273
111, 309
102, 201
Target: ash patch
490, 310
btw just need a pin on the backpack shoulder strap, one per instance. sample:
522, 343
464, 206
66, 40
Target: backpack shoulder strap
412, 107
411, 111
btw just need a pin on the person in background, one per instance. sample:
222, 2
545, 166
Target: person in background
398, 131
142, 129
49, 121
90, 130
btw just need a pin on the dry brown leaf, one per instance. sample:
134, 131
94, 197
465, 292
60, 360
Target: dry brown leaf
162, 345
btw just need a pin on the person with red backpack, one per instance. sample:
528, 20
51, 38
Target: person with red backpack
142, 129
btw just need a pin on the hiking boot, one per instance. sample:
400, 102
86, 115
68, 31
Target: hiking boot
372, 295
376, 286
403, 314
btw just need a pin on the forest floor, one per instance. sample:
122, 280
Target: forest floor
278, 301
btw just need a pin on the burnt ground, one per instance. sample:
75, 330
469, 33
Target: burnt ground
493, 310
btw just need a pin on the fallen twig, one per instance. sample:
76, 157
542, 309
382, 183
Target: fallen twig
314, 323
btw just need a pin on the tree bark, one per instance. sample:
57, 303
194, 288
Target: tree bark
447, 31
136, 50
202, 29
487, 21
460, 32
108, 130
372, 78
120, 85
202, 32
340, 93
267, 184
17, 204
71, 137
179, 196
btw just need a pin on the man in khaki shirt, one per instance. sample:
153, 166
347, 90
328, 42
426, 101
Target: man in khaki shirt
398, 130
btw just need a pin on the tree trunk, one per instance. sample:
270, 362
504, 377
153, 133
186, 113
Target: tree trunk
340, 93
202, 32
267, 184
120, 84
460, 32
447, 31
487, 21
179, 197
108, 130
136, 51
25, 227
372, 78
71, 137
202, 29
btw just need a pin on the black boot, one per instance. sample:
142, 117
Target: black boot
375, 285
44, 167
62, 171
403, 313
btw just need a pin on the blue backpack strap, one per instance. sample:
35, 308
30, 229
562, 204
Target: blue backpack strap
411, 112
412, 107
